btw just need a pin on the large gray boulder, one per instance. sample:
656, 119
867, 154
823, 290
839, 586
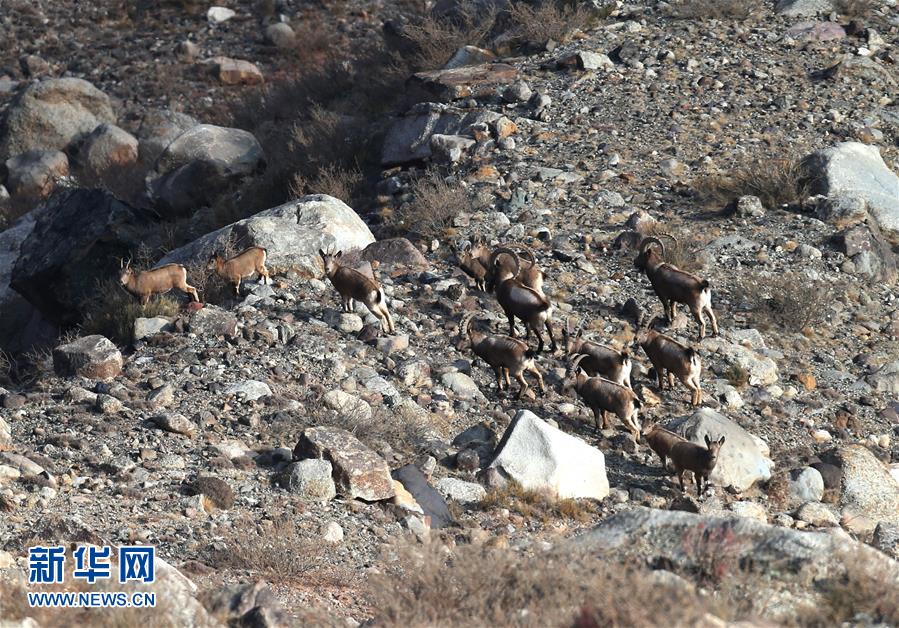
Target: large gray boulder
541, 457
107, 149
32, 175
869, 494
198, 165
795, 568
94, 357
52, 114
409, 138
358, 471
740, 353
75, 243
158, 129
858, 170
23, 325
291, 233
741, 462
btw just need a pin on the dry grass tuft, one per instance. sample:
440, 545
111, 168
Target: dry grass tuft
853, 9
539, 505
112, 311
775, 181
715, 9
791, 300
474, 586
436, 203
549, 20
437, 39
332, 180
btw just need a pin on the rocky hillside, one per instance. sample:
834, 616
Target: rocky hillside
297, 464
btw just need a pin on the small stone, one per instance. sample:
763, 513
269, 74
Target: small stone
162, 397
517, 92
108, 404
749, 207
818, 515
332, 532
219, 15
251, 390
309, 479
236, 71
216, 491
175, 423
280, 35
461, 385
146, 327
461, 491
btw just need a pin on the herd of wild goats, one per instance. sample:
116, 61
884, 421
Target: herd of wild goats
600, 375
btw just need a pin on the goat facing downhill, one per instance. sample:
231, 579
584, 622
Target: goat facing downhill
604, 396
245, 264
673, 285
353, 285
504, 354
520, 301
160, 280
688, 456
600, 359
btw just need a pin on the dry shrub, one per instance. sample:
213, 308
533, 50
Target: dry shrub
111, 312
789, 300
274, 550
434, 206
331, 180
474, 586
550, 20
438, 38
775, 182
737, 376
853, 9
715, 9
539, 505
681, 249
861, 595
212, 288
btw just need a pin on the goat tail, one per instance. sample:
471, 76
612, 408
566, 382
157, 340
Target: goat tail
530, 354
625, 357
694, 356
379, 295
704, 284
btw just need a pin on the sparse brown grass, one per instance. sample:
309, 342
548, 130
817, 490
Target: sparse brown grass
853, 9
436, 203
790, 300
775, 182
274, 550
332, 180
549, 20
475, 586
715, 9
539, 505
111, 312
859, 591
438, 39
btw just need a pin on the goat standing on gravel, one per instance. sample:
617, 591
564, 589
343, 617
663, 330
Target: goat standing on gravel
673, 285
156, 281
603, 396
245, 264
671, 358
687, 456
504, 354
601, 359
351, 284
520, 301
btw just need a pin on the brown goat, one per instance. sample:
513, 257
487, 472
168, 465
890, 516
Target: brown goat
661, 440
520, 301
245, 264
687, 456
674, 359
156, 281
673, 285
351, 284
505, 355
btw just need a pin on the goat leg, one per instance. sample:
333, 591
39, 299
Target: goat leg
519, 377
552, 338
539, 379
511, 325
714, 321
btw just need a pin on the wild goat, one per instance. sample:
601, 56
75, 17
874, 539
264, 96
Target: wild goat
602, 396
474, 260
520, 301
471, 264
600, 359
674, 359
504, 354
661, 440
244, 264
351, 284
673, 285
156, 281
687, 456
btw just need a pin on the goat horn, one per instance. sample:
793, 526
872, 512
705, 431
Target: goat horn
499, 251
576, 361
528, 254
669, 236
652, 240
580, 326
466, 321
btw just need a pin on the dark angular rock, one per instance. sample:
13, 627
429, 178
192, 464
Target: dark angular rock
430, 500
